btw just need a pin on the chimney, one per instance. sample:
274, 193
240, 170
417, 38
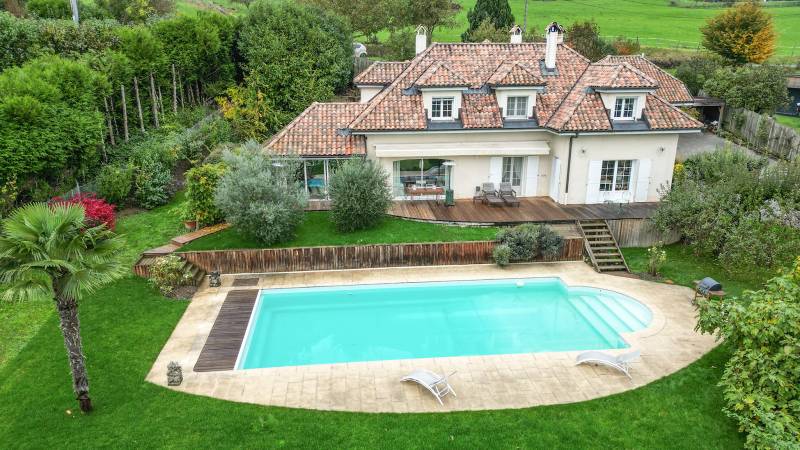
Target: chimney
422, 39
555, 36
516, 34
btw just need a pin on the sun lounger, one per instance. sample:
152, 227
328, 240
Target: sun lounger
508, 194
490, 195
435, 383
621, 362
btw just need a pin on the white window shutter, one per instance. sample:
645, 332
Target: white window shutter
593, 182
532, 176
496, 169
643, 180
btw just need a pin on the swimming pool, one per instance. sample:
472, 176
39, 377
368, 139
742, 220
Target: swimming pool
323, 325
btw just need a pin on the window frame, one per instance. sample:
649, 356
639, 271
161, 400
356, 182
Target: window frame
517, 99
620, 107
442, 100
508, 171
616, 175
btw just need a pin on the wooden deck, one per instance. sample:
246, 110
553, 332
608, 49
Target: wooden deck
225, 339
531, 209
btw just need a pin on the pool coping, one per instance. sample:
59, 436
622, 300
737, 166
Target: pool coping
483, 382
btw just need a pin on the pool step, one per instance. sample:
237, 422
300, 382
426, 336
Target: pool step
601, 246
597, 322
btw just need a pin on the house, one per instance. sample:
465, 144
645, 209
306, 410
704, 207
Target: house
792, 107
537, 115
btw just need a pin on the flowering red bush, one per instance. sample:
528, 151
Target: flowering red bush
96, 209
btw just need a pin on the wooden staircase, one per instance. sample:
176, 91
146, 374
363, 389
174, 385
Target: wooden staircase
601, 246
142, 268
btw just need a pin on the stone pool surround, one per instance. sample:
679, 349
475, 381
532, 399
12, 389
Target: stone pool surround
481, 382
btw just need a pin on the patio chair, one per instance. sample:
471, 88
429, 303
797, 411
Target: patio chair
435, 383
490, 195
508, 194
621, 362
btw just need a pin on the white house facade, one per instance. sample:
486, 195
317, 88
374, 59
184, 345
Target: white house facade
536, 115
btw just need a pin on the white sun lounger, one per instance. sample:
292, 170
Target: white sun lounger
437, 384
621, 362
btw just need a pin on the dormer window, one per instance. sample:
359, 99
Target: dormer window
442, 108
624, 108
517, 107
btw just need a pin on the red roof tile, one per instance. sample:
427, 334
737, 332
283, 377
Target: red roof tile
380, 73
514, 74
661, 115
439, 74
480, 111
670, 88
317, 132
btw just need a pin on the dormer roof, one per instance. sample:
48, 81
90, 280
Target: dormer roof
670, 88
621, 76
511, 73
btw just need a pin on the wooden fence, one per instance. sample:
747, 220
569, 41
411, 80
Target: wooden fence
299, 259
762, 132
639, 233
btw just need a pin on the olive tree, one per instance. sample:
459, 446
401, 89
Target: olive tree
360, 196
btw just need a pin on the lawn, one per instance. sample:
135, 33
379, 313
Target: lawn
318, 230
653, 22
126, 324
789, 121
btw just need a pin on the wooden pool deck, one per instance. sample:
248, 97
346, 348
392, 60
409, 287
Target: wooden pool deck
531, 209
227, 334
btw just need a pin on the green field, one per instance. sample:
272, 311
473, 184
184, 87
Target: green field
789, 121
654, 22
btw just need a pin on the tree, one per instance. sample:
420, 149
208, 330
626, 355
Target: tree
695, 71
742, 34
260, 194
47, 251
49, 9
488, 32
496, 11
360, 196
137, 11
760, 379
19, 40
294, 54
758, 88
431, 14
585, 38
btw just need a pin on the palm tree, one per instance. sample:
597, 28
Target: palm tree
48, 251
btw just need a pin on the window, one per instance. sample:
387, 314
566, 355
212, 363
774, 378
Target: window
442, 107
410, 175
315, 174
623, 107
517, 107
615, 175
512, 171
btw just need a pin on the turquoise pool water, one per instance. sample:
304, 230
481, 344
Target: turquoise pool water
423, 320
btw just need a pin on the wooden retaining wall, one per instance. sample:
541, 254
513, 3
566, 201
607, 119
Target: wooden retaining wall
639, 233
299, 259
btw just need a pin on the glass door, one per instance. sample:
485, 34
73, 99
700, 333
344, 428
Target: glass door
512, 172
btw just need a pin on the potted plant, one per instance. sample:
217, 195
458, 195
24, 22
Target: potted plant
187, 216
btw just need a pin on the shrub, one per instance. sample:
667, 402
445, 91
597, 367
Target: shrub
752, 243
550, 243
656, 257
152, 183
167, 273
744, 33
625, 46
260, 194
760, 88
114, 183
96, 210
521, 240
359, 194
760, 379
502, 255
695, 71
201, 183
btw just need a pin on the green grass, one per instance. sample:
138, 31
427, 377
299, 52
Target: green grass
789, 121
318, 230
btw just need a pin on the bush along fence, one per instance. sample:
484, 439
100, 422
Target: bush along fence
762, 133
298, 259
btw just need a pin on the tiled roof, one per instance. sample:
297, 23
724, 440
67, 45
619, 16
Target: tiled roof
661, 115
569, 101
514, 74
480, 111
380, 73
439, 74
670, 88
393, 109
317, 132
